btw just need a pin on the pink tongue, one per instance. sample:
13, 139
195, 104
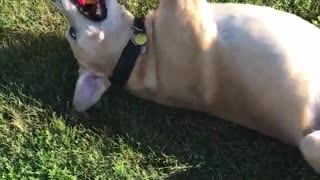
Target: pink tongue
82, 2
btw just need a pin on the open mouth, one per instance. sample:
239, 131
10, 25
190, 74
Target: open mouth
94, 10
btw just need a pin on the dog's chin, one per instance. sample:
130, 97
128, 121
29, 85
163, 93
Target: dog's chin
81, 108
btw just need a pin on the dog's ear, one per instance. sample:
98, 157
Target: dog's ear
89, 89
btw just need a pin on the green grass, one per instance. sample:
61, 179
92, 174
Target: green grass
123, 137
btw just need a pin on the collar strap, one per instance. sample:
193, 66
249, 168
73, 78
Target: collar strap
123, 69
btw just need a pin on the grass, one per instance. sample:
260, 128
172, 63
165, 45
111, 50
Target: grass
123, 137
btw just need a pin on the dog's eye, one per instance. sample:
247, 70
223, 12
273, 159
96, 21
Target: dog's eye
73, 33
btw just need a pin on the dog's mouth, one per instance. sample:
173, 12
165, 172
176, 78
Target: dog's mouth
94, 10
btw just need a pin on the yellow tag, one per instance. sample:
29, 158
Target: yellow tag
140, 39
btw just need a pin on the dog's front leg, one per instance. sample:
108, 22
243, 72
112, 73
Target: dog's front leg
310, 148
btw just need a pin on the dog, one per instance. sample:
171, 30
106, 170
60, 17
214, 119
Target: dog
252, 65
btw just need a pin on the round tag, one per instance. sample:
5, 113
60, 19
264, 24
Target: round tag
140, 39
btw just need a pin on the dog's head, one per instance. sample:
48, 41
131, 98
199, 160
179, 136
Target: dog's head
97, 46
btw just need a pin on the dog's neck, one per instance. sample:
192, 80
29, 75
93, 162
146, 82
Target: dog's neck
143, 69
142, 78
135, 46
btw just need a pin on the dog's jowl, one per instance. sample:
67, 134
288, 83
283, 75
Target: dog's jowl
252, 65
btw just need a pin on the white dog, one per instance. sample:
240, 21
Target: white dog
252, 65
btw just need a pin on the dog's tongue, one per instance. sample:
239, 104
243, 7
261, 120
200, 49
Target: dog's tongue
81, 2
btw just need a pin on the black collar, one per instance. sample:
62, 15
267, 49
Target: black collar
123, 69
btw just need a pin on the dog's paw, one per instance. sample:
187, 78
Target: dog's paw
310, 148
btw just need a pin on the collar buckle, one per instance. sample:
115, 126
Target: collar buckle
139, 37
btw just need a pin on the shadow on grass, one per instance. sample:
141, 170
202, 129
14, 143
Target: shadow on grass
43, 68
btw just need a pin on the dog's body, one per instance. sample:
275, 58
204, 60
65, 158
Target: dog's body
251, 65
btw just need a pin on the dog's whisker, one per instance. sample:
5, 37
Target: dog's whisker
58, 4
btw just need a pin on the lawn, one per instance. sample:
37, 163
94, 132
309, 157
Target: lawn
122, 137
